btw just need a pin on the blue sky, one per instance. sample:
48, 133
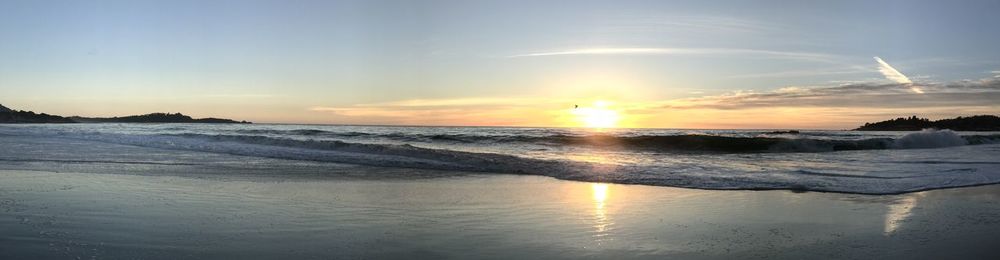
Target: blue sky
442, 62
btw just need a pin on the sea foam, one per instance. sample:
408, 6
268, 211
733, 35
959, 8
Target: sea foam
929, 138
872, 164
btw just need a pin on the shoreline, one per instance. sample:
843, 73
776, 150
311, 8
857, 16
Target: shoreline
59, 215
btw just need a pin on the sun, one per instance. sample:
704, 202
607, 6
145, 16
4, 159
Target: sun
597, 116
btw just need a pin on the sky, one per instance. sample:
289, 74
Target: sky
663, 64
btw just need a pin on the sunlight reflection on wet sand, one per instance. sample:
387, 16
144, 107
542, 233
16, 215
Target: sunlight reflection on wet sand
898, 212
602, 223
468, 217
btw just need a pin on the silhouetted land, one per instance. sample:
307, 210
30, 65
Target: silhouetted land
154, 118
972, 123
8, 115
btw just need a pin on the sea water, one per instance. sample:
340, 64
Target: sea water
834, 161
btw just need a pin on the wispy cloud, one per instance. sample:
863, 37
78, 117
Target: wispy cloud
841, 106
681, 51
782, 107
982, 93
610, 51
450, 102
238, 96
451, 111
692, 23
807, 73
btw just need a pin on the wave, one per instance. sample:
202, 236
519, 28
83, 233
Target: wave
389, 155
95, 161
696, 172
695, 143
929, 138
405, 155
713, 143
684, 143
303, 132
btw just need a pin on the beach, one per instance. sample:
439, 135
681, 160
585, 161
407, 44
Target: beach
347, 129
71, 196
49, 215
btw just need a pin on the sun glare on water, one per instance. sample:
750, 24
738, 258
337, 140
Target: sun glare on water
597, 116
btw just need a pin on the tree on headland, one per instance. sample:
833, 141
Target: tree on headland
8, 115
154, 118
913, 123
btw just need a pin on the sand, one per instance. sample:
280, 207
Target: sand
67, 215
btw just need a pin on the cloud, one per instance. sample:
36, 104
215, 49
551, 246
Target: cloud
699, 24
450, 111
837, 107
238, 96
681, 51
807, 73
982, 93
606, 51
465, 102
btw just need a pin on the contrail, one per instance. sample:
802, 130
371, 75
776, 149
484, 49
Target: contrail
894, 75
891, 73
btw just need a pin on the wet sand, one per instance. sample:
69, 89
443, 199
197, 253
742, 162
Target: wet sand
67, 215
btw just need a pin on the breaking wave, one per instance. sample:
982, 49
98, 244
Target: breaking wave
683, 143
684, 160
930, 138
389, 155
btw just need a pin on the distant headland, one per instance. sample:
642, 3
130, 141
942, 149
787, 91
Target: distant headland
913, 123
8, 115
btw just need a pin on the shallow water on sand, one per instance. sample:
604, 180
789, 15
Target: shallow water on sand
86, 215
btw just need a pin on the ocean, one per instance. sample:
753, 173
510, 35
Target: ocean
219, 191
830, 161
